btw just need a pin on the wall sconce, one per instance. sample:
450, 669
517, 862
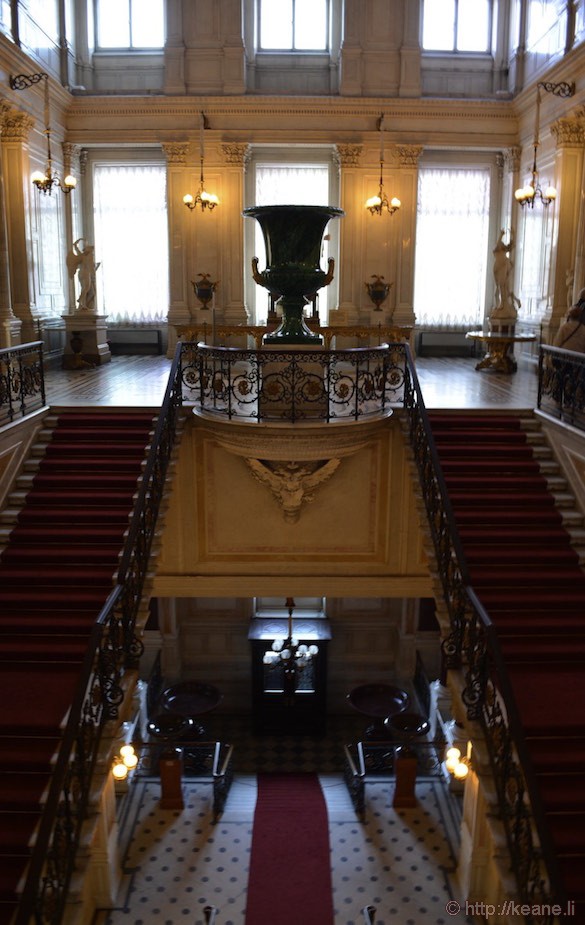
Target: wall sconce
44, 182
124, 762
204, 199
377, 203
527, 195
457, 764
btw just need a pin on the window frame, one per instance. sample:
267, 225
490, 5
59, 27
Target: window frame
459, 160
131, 48
488, 50
291, 49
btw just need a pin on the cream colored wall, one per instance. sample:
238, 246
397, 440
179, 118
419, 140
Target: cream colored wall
225, 534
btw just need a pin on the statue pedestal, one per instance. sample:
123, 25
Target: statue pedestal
405, 770
85, 341
171, 772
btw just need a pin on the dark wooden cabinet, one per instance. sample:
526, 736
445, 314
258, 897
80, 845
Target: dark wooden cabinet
283, 706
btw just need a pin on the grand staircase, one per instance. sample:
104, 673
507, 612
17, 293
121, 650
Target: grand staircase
519, 532
63, 531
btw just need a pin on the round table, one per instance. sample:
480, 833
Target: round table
378, 701
191, 699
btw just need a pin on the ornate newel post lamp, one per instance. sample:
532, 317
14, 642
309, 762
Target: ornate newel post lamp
293, 237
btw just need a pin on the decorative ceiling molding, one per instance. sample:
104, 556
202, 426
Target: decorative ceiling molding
292, 484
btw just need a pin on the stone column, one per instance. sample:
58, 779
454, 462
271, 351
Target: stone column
408, 157
410, 52
570, 138
180, 226
577, 266
16, 128
349, 282
230, 292
10, 325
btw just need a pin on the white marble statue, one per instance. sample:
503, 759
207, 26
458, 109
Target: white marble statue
81, 260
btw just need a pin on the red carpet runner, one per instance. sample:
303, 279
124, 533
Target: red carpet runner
290, 866
528, 577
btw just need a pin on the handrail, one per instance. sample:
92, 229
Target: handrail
291, 383
473, 645
112, 648
561, 384
22, 381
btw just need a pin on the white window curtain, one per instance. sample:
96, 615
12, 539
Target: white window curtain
451, 257
131, 242
285, 184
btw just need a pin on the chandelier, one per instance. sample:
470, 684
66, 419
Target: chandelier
44, 182
204, 199
287, 653
376, 204
527, 195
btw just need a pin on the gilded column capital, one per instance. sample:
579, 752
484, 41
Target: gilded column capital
236, 153
348, 155
569, 133
70, 155
176, 152
408, 155
513, 158
16, 126
83, 159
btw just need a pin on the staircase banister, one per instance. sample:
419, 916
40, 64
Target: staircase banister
476, 674
514, 724
172, 397
43, 852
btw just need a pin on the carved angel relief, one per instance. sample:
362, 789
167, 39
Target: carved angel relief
291, 483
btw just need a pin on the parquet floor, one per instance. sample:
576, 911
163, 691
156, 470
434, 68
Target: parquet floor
446, 382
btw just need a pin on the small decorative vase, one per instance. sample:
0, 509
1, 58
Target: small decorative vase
204, 289
378, 290
293, 236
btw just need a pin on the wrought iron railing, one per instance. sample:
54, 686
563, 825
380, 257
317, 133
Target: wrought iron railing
561, 384
114, 647
472, 646
293, 384
22, 381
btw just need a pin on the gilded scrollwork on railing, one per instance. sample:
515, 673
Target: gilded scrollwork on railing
293, 385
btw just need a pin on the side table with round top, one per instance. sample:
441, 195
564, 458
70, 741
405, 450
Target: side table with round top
191, 699
378, 701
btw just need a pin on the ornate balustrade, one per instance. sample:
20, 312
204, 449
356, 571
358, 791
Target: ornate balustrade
472, 646
114, 647
224, 334
22, 381
293, 385
561, 385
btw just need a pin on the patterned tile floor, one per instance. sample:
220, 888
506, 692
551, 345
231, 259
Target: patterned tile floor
177, 862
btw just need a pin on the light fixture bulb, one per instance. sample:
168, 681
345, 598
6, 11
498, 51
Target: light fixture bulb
452, 759
120, 771
460, 771
374, 202
38, 177
130, 761
550, 193
70, 182
395, 203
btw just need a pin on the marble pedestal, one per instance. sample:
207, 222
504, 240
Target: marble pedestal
92, 330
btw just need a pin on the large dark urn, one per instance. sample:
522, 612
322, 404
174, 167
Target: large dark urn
293, 236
